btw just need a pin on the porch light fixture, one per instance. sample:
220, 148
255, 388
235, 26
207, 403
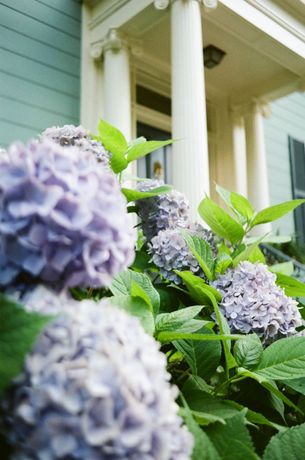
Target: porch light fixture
212, 56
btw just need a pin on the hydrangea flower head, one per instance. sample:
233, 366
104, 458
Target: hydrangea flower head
252, 302
63, 219
70, 135
170, 252
95, 387
162, 211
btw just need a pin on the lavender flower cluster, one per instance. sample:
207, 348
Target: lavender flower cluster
70, 135
95, 387
252, 302
162, 219
63, 217
162, 211
170, 252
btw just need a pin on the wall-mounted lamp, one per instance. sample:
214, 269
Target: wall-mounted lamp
212, 56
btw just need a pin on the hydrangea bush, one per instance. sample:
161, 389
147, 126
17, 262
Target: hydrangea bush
211, 368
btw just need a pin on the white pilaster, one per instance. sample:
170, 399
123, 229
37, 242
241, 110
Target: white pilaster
117, 87
258, 187
190, 151
240, 155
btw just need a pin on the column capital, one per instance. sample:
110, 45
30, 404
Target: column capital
115, 41
261, 106
163, 4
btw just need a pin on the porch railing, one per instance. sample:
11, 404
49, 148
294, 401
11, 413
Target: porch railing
278, 256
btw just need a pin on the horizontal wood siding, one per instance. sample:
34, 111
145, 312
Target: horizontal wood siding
287, 119
39, 66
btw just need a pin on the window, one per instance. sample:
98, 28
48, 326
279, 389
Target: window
297, 162
156, 164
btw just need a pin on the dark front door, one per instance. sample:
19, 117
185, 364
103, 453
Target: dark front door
158, 163
297, 161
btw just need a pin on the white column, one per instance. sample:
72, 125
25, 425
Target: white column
117, 87
258, 187
189, 128
240, 155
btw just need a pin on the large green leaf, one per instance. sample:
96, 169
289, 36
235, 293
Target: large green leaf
18, 331
202, 357
248, 351
141, 149
271, 386
220, 222
114, 141
275, 212
122, 284
203, 448
296, 384
291, 286
196, 287
284, 359
176, 319
133, 195
136, 306
288, 445
201, 251
238, 203
285, 268
240, 446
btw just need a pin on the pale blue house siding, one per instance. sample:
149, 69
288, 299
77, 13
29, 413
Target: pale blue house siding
287, 119
39, 66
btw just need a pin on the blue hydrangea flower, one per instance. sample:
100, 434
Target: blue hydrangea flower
170, 252
63, 218
252, 302
70, 135
162, 211
95, 387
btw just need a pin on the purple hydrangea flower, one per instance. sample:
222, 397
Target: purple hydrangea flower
62, 218
70, 135
252, 302
170, 252
162, 211
95, 387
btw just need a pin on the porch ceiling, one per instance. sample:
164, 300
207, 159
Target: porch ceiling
255, 64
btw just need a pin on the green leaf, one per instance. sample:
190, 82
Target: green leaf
249, 253
136, 306
269, 385
284, 359
18, 332
202, 357
204, 418
238, 203
113, 141
240, 446
275, 212
220, 222
122, 285
176, 319
169, 336
291, 286
201, 251
142, 149
288, 445
222, 262
257, 418
133, 195
203, 448
248, 351
197, 287
138, 291
285, 268
257, 256
296, 384
193, 325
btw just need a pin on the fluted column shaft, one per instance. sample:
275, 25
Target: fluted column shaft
117, 87
190, 151
258, 187
240, 155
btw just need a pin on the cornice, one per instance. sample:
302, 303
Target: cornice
272, 14
107, 12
